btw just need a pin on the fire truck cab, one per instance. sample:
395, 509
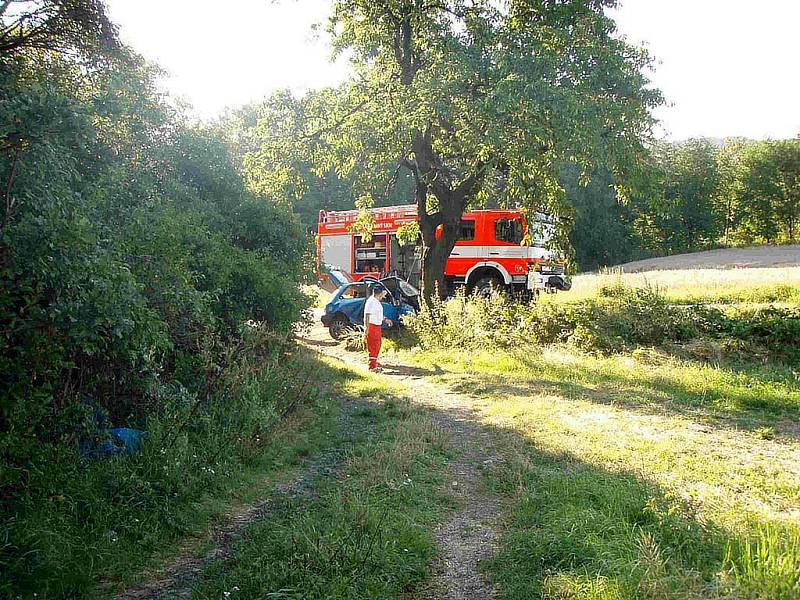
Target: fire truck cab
489, 250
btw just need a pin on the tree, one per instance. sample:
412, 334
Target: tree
60, 26
766, 191
686, 210
729, 167
479, 101
770, 190
603, 232
786, 155
281, 159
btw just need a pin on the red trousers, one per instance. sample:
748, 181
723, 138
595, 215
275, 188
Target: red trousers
374, 337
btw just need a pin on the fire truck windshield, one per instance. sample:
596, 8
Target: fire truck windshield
508, 230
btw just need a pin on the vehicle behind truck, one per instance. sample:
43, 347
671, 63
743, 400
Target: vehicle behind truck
495, 248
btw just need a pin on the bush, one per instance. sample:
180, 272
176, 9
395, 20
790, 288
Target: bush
79, 517
142, 286
618, 319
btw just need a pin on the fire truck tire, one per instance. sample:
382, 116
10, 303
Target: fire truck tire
339, 326
484, 286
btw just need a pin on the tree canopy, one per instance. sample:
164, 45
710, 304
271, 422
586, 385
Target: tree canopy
79, 27
481, 101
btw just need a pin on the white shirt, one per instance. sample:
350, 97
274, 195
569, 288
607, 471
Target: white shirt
374, 309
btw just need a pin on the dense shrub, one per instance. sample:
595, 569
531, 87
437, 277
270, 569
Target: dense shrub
141, 285
618, 319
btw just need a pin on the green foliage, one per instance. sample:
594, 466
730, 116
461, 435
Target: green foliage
700, 196
618, 319
683, 213
275, 143
604, 230
80, 27
408, 234
767, 192
141, 285
78, 520
537, 62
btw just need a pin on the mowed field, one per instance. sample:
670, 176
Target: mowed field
765, 274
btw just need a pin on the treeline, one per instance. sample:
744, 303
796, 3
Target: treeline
694, 195
141, 286
701, 195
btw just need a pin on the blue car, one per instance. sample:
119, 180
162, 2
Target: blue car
345, 309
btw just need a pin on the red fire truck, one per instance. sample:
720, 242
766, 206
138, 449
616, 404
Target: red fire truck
489, 251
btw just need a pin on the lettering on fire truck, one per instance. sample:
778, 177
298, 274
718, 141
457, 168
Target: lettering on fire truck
489, 249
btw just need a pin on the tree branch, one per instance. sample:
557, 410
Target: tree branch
9, 184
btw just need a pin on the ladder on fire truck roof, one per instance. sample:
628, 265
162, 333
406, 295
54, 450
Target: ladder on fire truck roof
380, 212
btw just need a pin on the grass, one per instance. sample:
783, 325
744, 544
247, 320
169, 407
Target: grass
138, 544
638, 476
93, 539
363, 534
655, 473
644, 474
715, 286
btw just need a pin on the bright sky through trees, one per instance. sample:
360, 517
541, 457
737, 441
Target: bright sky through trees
728, 67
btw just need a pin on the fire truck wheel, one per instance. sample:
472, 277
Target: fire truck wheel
484, 286
338, 327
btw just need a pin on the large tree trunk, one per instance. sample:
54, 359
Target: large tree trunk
429, 179
435, 252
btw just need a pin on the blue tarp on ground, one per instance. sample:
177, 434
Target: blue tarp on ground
112, 442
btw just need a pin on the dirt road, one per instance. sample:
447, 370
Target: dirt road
470, 535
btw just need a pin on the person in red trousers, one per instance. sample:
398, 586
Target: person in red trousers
373, 321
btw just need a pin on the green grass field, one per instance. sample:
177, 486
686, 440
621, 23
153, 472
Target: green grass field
641, 474
650, 473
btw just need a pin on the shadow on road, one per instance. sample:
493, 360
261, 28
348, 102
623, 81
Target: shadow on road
411, 371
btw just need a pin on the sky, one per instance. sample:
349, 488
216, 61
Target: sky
725, 67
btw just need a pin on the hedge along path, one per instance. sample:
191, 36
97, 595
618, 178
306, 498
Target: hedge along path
179, 577
471, 534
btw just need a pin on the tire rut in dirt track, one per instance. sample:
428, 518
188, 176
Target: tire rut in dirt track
470, 535
178, 579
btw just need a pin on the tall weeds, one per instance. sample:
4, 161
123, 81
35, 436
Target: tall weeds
77, 518
619, 318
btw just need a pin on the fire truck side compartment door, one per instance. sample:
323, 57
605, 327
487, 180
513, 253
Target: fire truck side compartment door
335, 250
